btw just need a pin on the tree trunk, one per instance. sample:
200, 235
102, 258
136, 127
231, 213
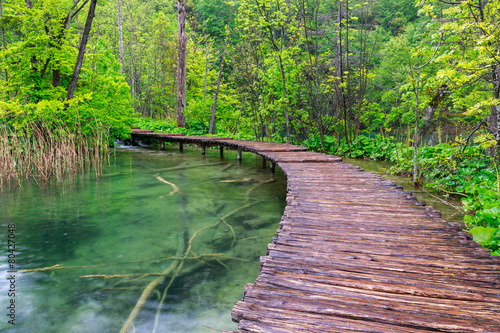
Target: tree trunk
56, 72
2, 32
206, 61
494, 126
283, 79
81, 50
212, 129
431, 110
132, 63
495, 110
164, 104
339, 97
132, 78
181, 68
415, 139
120, 37
174, 82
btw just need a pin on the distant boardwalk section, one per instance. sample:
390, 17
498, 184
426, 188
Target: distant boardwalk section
354, 253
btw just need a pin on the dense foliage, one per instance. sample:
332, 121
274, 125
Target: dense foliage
37, 60
352, 77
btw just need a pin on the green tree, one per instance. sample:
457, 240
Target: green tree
43, 39
470, 62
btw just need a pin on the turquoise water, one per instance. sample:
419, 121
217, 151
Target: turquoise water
112, 238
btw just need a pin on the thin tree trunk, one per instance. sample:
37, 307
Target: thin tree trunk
347, 98
174, 82
495, 109
56, 72
2, 32
181, 68
120, 37
254, 113
79, 28
431, 110
417, 91
212, 129
164, 108
339, 97
81, 50
262, 125
139, 86
287, 121
206, 61
133, 83
132, 79
415, 139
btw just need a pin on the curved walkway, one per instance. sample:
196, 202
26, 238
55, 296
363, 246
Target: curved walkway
354, 253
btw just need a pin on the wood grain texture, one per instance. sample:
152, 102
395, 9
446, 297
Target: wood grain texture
355, 253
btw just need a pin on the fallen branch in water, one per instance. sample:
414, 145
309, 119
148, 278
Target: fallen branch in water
249, 191
212, 256
175, 189
244, 180
120, 275
145, 295
261, 236
227, 167
129, 324
58, 266
211, 328
184, 167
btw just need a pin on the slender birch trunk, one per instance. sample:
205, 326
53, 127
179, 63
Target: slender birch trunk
120, 37
181, 68
212, 129
206, 60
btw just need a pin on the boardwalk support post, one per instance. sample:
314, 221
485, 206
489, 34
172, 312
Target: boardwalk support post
203, 149
221, 152
273, 166
239, 154
181, 147
162, 145
264, 162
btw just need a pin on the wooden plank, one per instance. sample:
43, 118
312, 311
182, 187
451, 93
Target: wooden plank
389, 315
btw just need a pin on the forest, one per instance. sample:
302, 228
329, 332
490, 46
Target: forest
415, 83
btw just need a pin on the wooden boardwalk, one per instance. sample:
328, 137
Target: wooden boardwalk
354, 253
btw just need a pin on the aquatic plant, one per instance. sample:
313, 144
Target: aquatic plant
41, 153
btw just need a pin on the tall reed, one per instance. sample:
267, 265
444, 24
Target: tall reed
43, 153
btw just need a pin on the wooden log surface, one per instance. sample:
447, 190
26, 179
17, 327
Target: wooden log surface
355, 253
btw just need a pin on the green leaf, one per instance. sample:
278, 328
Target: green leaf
493, 212
482, 235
